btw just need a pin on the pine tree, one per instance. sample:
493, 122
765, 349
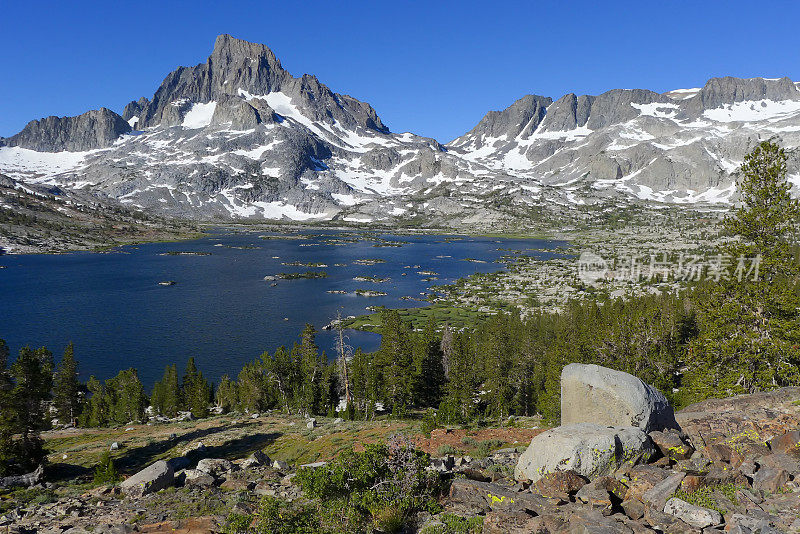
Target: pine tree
166, 398
344, 355
106, 472
458, 405
196, 390
446, 347
497, 350
227, 395
66, 388
252, 388
360, 369
7, 427
125, 397
96, 411
5, 379
32, 376
428, 376
749, 330
311, 367
395, 359
280, 372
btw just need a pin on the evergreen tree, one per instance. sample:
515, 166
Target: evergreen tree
5, 379
749, 330
395, 358
106, 472
366, 386
32, 377
66, 388
428, 376
497, 352
458, 405
446, 346
166, 398
196, 391
7, 428
311, 371
252, 388
126, 398
343, 357
227, 395
280, 371
96, 411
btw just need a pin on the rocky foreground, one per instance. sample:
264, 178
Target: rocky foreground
622, 461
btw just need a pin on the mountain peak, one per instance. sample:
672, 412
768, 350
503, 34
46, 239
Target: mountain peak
228, 49
93, 129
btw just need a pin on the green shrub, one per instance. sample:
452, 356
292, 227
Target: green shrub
444, 450
388, 518
469, 441
384, 484
105, 472
237, 523
279, 517
429, 422
450, 412
486, 447
706, 498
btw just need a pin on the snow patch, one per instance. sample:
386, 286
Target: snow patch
16, 161
683, 94
661, 110
344, 200
199, 116
757, 110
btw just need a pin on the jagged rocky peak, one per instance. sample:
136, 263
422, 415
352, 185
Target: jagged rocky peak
521, 117
568, 112
249, 71
618, 105
594, 112
718, 92
98, 128
133, 110
533, 113
235, 67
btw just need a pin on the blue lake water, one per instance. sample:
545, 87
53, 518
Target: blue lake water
221, 310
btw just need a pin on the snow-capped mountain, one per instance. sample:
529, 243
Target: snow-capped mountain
682, 146
240, 137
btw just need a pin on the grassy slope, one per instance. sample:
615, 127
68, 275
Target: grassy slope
234, 436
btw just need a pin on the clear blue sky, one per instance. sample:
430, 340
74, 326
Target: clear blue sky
430, 67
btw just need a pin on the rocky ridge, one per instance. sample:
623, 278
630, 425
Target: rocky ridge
239, 137
37, 218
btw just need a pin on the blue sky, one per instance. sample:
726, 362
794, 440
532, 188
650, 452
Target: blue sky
434, 68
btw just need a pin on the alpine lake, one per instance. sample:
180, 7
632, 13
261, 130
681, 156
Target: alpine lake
229, 296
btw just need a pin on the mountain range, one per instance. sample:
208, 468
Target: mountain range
239, 137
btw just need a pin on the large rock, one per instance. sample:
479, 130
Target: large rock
594, 394
590, 450
694, 515
28, 479
469, 497
758, 417
195, 477
215, 466
153, 478
658, 495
